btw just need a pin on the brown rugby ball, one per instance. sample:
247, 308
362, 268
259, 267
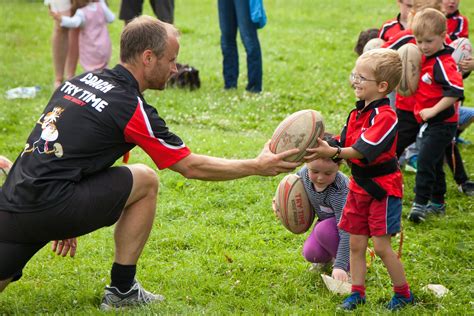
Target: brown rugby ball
292, 205
299, 130
411, 67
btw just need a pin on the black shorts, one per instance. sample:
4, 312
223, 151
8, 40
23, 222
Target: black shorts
97, 201
130, 9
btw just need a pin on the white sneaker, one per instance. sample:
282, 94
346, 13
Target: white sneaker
137, 295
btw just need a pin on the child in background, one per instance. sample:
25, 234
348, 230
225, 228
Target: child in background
393, 26
327, 190
92, 17
457, 23
374, 203
364, 37
439, 90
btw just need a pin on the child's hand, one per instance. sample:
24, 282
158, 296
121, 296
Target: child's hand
275, 211
428, 113
467, 64
339, 274
322, 151
55, 16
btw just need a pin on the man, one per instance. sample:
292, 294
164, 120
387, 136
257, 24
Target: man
63, 184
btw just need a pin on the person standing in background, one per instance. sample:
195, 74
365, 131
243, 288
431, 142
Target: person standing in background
163, 9
65, 43
233, 15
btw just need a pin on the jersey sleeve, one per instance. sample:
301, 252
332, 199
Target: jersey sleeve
379, 136
446, 74
398, 40
147, 130
343, 251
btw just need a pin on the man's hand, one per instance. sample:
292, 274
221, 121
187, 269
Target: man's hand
62, 247
322, 151
271, 164
339, 274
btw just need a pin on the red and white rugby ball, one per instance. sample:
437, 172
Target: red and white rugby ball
299, 130
462, 49
411, 67
292, 205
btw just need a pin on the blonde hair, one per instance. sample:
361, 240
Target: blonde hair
419, 5
142, 33
428, 22
386, 65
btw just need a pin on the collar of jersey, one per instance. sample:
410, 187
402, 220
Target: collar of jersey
372, 105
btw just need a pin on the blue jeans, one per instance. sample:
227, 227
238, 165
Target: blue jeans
235, 14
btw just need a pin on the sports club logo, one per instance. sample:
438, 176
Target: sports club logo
45, 144
426, 78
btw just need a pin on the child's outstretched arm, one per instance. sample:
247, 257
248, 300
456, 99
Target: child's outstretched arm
324, 150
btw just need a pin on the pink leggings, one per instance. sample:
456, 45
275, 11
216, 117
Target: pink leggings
321, 245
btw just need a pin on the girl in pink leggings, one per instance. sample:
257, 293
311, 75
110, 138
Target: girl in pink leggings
327, 190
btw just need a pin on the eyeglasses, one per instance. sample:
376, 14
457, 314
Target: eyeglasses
355, 78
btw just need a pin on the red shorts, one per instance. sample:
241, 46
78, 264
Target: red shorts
364, 215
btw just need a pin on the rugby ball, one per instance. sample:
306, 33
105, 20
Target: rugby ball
373, 44
292, 205
299, 130
411, 67
462, 49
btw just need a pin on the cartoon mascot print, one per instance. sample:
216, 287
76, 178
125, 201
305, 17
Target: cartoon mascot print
48, 135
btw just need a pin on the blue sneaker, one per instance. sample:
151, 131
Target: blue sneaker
352, 301
418, 213
398, 301
436, 209
412, 164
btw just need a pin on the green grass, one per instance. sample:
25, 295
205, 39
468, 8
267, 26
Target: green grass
216, 247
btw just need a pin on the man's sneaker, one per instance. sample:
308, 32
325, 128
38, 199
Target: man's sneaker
398, 301
352, 301
436, 209
137, 295
467, 188
417, 213
463, 141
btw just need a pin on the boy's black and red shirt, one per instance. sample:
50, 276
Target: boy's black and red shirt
90, 122
372, 131
390, 28
439, 78
457, 25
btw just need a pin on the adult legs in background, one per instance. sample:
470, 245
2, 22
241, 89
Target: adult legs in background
72, 53
130, 9
164, 10
60, 42
228, 26
249, 36
321, 245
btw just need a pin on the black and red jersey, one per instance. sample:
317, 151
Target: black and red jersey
457, 25
372, 131
390, 28
439, 78
90, 121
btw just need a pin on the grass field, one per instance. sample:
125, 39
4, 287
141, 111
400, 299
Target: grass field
216, 247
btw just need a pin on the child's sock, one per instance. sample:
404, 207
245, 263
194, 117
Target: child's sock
403, 290
360, 289
123, 276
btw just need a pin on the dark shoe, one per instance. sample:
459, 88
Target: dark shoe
398, 301
137, 295
418, 213
352, 301
467, 188
436, 209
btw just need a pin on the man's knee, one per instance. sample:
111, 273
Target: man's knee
145, 177
4, 284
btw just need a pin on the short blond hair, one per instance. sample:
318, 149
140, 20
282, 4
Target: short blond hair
428, 22
386, 65
419, 5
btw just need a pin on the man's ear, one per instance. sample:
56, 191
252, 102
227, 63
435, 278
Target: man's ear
147, 57
383, 86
